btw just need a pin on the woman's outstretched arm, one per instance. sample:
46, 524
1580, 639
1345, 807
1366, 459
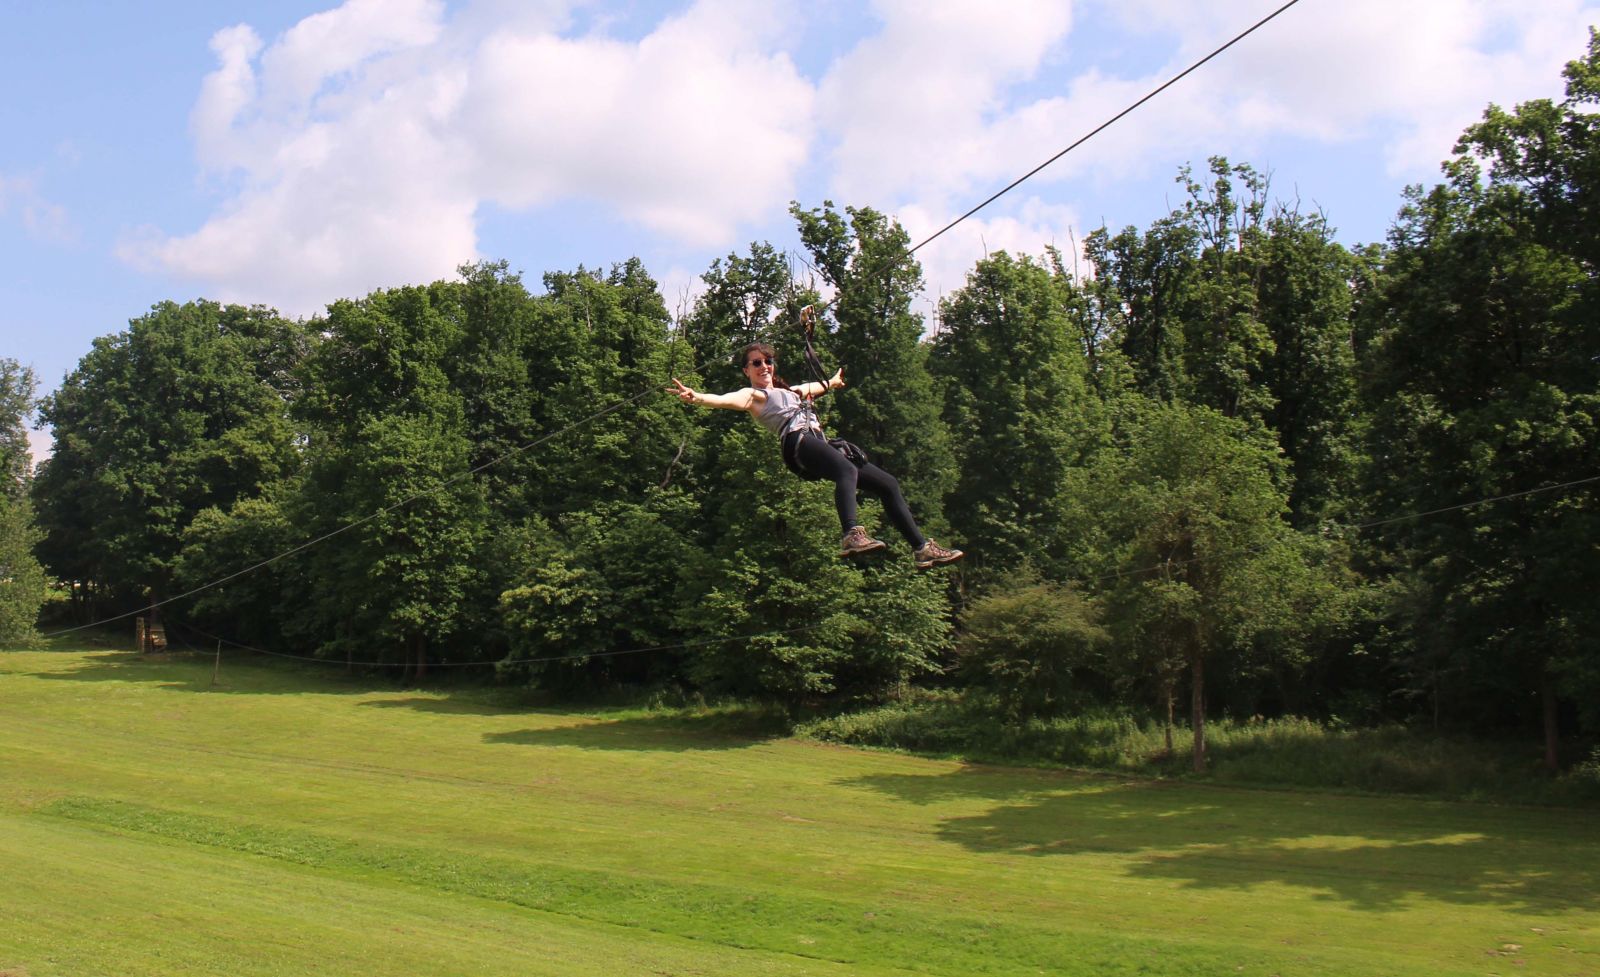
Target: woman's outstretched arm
813, 389
738, 400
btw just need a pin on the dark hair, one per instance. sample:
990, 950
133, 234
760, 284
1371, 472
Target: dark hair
764, 350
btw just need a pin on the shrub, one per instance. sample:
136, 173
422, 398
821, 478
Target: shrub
1286, 752
1030, 646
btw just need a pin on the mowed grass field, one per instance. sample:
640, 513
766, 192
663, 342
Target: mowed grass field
285, 823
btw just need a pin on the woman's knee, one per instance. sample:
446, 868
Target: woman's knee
878, 481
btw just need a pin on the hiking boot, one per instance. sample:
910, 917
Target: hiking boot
932, 554
856, 541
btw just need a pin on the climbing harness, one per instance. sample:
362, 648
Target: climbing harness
808, 329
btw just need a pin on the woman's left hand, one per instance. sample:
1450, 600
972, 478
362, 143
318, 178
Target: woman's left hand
837, 381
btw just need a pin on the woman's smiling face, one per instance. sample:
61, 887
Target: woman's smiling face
759, 368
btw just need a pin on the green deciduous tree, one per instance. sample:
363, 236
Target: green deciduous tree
1245, 307
1035, 644
17, 404
22, 581
1305, 298
611, 583
1204, 564
1482, 383
249, 591
1147, 278
530, 366
185, 410
746, 298
623, 348
389, 479
1020, 409
1227, 344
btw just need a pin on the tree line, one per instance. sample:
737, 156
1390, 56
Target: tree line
1221, 462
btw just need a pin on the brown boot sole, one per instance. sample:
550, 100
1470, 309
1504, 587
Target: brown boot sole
940, 561
877, 546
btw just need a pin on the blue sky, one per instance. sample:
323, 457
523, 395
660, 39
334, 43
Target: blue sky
291, 153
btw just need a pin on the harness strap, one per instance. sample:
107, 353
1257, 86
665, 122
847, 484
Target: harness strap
808, 329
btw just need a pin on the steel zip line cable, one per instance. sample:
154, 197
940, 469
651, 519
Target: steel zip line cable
1106, 124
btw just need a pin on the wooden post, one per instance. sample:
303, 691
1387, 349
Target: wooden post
138, 634
217, 668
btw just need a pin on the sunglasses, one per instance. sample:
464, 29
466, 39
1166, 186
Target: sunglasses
758, 361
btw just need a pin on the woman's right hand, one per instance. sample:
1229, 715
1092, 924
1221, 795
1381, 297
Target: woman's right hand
684, 393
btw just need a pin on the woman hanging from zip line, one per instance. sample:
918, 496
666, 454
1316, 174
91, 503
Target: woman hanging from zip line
788, 413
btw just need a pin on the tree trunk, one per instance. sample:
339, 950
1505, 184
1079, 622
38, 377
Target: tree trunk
1436, 698
419, 645
155, 630
1552, 719
1171, 708
1197, 711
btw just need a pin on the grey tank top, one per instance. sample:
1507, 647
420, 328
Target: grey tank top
786, 412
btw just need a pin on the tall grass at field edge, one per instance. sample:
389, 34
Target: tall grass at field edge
1288, 752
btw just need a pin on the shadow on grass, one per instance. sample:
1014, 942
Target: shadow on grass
469, 703
1368, 853
985, 781
186, 671
674, 729
722, 730
73, 643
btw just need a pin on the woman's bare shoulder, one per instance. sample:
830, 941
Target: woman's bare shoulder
745, 398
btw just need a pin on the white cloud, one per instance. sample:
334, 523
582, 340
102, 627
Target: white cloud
224, 94
41, 444
333, 207
1413, 74
336, 43
691, 131
363, 141
42, 219
911, 106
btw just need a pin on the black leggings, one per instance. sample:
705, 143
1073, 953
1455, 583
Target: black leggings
821, 460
